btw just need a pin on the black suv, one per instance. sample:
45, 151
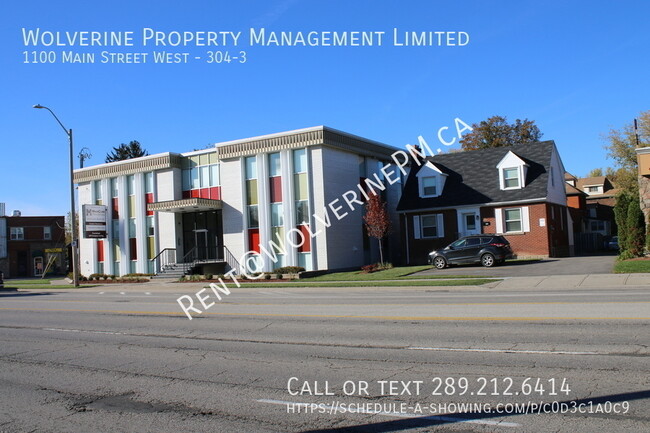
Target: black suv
487, 249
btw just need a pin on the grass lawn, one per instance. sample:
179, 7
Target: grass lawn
632, 266
23, 282
401, 273
407, 283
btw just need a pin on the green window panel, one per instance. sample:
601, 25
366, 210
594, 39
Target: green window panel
301, 192
251, 192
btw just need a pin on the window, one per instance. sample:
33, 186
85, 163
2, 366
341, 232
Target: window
429, 226
148, 182
511, 178
253, 217
597, 226
460, 243
274, 165
276, 215
429, 186
17, 234
513, 220
592, 189
302, 212
251, 167
97, 185
300, 161
47, 233
130, 183
114, 188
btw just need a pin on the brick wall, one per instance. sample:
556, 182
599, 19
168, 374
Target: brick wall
531, 244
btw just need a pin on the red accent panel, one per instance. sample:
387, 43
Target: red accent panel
215, 193
133, 248
275, 184
187, 194
306, 246
116, 213
148, 198
254, 240
100, 251
195, 193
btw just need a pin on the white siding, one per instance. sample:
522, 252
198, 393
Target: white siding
556, 191
234, 237
340, 173
87, 249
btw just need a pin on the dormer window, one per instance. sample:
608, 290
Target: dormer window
511, 178
512, 172
431, 181
429, 186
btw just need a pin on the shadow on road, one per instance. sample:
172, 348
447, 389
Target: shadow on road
20, 294
427, 421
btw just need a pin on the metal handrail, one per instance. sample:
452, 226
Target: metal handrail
231, 260
188, 265
166, 259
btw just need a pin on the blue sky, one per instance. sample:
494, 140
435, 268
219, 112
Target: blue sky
578, 68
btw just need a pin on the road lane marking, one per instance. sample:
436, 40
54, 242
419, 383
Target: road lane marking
543, 352
84, 330
328, 316
444, 418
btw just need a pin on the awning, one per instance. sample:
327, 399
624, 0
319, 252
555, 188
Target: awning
185, 205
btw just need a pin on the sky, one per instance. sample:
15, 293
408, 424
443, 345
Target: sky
577, 68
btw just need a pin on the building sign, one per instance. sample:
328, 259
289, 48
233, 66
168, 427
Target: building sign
94, 221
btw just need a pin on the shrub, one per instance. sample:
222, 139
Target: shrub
278, 276
368, 269
267, 276
208, 276
289, 270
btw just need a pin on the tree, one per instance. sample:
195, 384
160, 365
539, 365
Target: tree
623, 141
126, 151
377, 221
636, 228
620, 214
497, 132
596, 172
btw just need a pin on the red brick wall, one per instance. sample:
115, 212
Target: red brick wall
550, 240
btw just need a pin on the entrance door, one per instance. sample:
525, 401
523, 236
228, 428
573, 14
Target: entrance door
201, 242
470, 223
38, 266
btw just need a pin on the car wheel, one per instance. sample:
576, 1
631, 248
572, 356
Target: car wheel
487, 260
439, 262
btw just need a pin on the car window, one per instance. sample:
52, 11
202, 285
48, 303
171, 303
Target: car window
460, 243
485, 241
472, 242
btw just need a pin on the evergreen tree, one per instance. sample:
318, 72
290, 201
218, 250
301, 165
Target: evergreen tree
620, 213
635, 228
126, 151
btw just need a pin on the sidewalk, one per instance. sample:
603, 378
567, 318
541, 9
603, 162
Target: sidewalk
573, 281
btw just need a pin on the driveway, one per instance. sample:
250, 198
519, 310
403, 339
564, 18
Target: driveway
535, 268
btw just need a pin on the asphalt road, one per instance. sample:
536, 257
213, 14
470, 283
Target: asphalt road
533, 268
129, 360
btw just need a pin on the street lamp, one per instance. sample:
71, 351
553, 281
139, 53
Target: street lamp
75, 256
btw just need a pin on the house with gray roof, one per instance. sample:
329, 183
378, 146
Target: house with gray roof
516, 191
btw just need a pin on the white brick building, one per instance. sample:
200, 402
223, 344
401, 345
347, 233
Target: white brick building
211, 208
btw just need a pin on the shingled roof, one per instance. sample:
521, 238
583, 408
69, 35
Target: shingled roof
473, 177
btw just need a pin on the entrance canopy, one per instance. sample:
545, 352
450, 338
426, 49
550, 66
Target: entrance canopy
185, 205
